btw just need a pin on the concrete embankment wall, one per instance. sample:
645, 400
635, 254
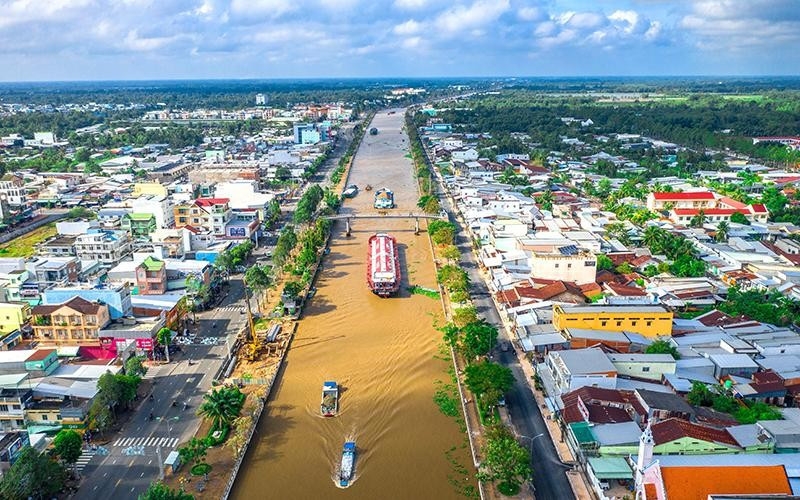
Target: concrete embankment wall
262, 403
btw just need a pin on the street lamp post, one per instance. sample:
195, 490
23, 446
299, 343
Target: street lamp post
531, 439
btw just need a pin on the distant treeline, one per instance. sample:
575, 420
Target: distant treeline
696, 120
218, 94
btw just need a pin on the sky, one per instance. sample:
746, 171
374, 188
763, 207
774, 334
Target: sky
43, 40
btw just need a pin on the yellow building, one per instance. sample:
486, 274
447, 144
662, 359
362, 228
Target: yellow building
75, 322
13, 316
151, 188
650, 321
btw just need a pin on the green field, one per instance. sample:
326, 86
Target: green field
25, 245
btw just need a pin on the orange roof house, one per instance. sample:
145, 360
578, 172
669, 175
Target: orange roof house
695, 483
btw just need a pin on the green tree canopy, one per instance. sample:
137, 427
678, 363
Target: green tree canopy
135, 367
68, 446
33, 475
604, 263
663, 347
478, 338
222, 405
505, 461
488, 381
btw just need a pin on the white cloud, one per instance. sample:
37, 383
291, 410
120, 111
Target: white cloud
137, 43
410, 4
410, 27
270, 8
530, 14
627, 19
753, 24
466, 18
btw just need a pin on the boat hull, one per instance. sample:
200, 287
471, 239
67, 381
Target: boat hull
383, 265
348, 465
329, 406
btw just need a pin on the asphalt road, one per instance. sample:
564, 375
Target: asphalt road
123, 477
549, 477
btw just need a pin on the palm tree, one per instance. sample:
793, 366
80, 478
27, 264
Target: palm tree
653, 236
221, 405
698, 220
722, 231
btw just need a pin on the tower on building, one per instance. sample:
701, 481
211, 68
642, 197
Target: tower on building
261, 100
645, 456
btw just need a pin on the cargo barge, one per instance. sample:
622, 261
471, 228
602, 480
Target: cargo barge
383, 265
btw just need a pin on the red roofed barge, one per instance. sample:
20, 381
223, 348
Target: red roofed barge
383, 265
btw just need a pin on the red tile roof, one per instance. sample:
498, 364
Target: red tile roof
698, 195
731, 203
709, 211
625, 291
40, 355
767, 381
76, 303
208, 202
694, 483
759, 208
674, 428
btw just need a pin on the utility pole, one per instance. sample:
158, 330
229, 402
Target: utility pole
160, 463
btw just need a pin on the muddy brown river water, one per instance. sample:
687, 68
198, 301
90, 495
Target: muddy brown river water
382, 352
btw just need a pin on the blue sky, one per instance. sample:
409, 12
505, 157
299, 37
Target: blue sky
167, 39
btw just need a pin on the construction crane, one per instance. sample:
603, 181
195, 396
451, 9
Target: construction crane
251, 351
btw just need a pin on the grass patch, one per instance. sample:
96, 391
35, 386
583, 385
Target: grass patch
200, 469
508, 489
421, 290
446, 398
693, 313
25, 245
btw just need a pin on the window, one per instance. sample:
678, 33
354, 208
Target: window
556, 266
649, 323
602, 323
569, 266
589, 263
619, 323
44, 417
645, 368
633, 323
3, 407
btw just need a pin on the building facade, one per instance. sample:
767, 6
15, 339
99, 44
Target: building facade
649, 321
75, 322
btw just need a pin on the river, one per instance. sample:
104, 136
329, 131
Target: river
383, 353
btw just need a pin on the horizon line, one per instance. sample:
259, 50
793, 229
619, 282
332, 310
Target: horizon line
432, 77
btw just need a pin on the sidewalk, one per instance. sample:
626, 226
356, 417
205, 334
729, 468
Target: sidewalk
576, 479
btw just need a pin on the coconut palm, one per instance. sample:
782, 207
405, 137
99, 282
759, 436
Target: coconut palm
221, 405
722, 231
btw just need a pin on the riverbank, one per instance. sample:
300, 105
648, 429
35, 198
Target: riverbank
384, 363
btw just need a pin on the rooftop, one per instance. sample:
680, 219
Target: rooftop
674, 428
696, 195
692, 483
599, 309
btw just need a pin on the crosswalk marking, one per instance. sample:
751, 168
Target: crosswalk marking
84, 460
228, 308
164, 442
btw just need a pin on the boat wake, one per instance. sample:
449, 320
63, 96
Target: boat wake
336, 476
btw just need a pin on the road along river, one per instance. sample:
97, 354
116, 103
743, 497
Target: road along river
381, 351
